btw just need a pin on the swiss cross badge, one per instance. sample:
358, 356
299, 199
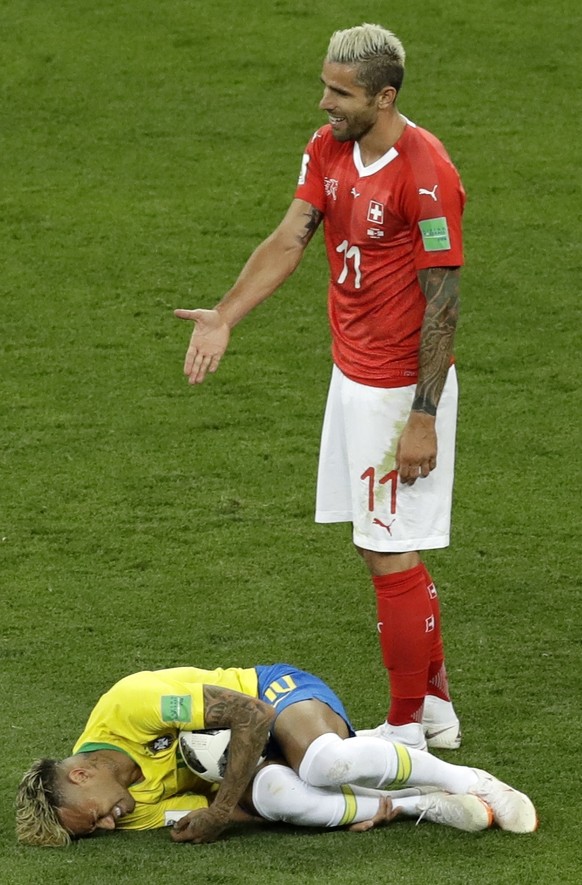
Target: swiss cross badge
376, 212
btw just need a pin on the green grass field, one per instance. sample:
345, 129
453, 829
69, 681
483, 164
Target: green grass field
146, 149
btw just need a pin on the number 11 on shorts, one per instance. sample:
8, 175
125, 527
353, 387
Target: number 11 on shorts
369, 476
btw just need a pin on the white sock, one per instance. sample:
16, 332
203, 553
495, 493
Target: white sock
280, 795
374, 762
331, 761
407, 805
428, 769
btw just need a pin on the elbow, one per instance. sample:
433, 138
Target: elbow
288, 248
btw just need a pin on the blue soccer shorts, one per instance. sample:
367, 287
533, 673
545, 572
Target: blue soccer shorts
281, 685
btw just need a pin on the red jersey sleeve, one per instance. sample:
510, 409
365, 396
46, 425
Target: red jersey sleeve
432, 200
311, 183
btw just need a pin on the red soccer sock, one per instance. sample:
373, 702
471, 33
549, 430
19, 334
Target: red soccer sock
406, 628
437, 683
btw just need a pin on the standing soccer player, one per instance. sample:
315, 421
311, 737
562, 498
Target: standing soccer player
391, 202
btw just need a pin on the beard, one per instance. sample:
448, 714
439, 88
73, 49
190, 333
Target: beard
355, 129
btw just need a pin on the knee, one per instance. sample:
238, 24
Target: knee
279, 795
327, 762
269, 793
381, 563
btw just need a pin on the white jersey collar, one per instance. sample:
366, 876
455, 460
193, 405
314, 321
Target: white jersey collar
378, 164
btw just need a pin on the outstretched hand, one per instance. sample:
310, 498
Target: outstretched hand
208, 342
385, 815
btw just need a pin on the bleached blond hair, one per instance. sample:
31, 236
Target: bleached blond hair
39, 795
376, 53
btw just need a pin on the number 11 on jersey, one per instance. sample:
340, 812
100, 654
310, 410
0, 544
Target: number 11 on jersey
369, 476
353, 253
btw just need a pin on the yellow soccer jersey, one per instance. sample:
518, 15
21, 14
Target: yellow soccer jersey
141, 716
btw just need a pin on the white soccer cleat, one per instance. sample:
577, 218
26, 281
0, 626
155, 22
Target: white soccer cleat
464, 812
512, 811
410, 735
441, 725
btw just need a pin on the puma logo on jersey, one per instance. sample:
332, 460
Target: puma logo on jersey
424, 192
383, 524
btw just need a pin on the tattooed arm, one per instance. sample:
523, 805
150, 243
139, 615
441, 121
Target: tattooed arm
417, 448
249, 720
268, 267
441, 288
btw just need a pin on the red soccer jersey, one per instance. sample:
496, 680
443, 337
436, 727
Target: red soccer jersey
382, 223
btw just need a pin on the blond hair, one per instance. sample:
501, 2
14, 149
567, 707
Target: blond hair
39, 796
377, 54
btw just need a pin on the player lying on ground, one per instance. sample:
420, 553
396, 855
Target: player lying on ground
125, 772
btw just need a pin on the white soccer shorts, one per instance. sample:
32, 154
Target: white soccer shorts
357, 480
